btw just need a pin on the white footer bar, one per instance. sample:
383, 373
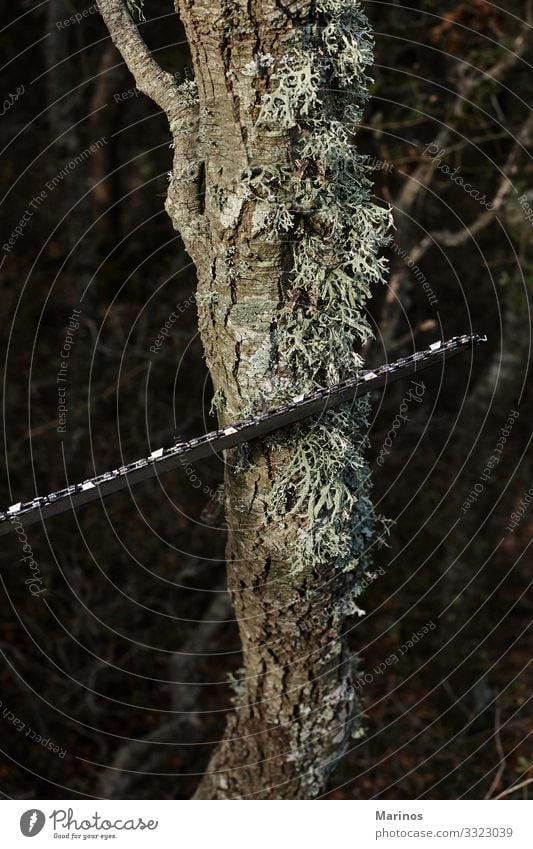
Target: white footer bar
244, 824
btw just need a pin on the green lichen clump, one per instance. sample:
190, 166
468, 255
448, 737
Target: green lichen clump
322, 203
321, 485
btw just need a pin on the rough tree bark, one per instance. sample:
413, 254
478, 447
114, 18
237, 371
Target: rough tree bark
273, 206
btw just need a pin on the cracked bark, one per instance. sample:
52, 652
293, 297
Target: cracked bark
293, 716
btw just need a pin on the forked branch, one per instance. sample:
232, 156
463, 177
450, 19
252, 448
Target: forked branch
179, 107
149, 77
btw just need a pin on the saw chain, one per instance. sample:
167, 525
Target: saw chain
182, 453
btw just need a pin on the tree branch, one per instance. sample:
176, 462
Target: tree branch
136, 758
466, 85
390, 312
514, 788
499, 748
500, 68
149, 77
523, 141
459, 237
184, 203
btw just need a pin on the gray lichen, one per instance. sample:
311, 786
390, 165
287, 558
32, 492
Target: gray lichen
189, 92
237, 683
259, 64
218, 402
135, 8
323, 203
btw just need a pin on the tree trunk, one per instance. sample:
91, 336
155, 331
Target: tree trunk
274, 207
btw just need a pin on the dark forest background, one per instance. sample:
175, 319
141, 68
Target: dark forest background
124, 662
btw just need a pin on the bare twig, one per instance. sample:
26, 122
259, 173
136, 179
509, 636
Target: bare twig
458, 238
522, 41
466, 85
150, 78
514, 788
137, 757
499, 748
183, 203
